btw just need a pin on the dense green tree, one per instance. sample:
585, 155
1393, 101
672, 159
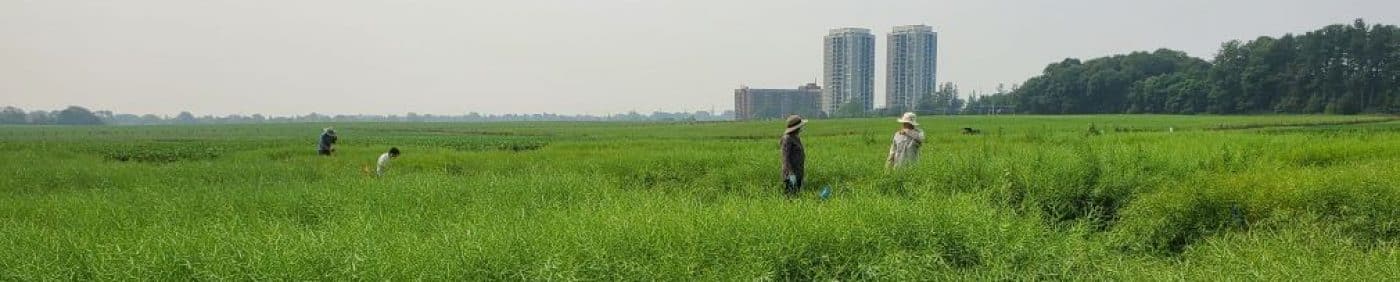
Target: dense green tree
151, 119
1226, 93
945, 100
40, 117
1342, 69
186, 118
107, 117
995, 103
927, 104
12, 115
75, 115
1103, 85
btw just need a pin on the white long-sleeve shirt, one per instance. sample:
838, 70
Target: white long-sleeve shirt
383, 164
905, 149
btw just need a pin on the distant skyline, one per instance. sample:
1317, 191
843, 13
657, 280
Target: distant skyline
282, 58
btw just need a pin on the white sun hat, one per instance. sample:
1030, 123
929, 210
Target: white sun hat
909, 118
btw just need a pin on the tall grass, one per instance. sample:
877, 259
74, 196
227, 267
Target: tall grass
1031, 198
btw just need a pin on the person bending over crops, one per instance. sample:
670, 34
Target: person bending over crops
905, 149
793, 155
327, 143
384, 160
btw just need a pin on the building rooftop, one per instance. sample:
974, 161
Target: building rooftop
850, 30
808, 86
912, 28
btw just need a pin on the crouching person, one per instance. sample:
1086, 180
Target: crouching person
793, 155
384, 160
327, 143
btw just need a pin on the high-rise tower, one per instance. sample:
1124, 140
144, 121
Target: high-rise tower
911, 66
849, 69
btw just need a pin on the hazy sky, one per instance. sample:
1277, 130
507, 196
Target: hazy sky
599, 56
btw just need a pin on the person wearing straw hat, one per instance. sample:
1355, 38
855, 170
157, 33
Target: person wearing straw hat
793, 155
905, 149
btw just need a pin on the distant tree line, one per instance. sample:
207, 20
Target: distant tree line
75, 115
991, 104
945, 100
1339, 69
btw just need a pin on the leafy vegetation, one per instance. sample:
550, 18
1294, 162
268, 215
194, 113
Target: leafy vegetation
1339, 69
1032, 197
73, 115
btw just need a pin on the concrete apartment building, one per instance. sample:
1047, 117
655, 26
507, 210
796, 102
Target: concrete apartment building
752, 103
911, 66
849, 69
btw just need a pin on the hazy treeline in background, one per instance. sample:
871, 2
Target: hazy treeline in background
76, 115
1339, 69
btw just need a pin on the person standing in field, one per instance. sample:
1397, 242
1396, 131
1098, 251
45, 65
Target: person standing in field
905, 149
793, 155
384, 159
327, 143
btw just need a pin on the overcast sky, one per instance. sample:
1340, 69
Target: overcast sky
563, 56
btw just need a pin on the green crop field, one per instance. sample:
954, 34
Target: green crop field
1032, 197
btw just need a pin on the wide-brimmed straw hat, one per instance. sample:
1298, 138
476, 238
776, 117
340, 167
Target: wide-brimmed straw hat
909, 118
795, 122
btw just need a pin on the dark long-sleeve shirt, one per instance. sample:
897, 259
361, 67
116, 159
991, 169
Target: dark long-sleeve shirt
326, 140
794, 156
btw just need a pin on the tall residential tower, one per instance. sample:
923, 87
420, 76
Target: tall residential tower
911, 66
849, 69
